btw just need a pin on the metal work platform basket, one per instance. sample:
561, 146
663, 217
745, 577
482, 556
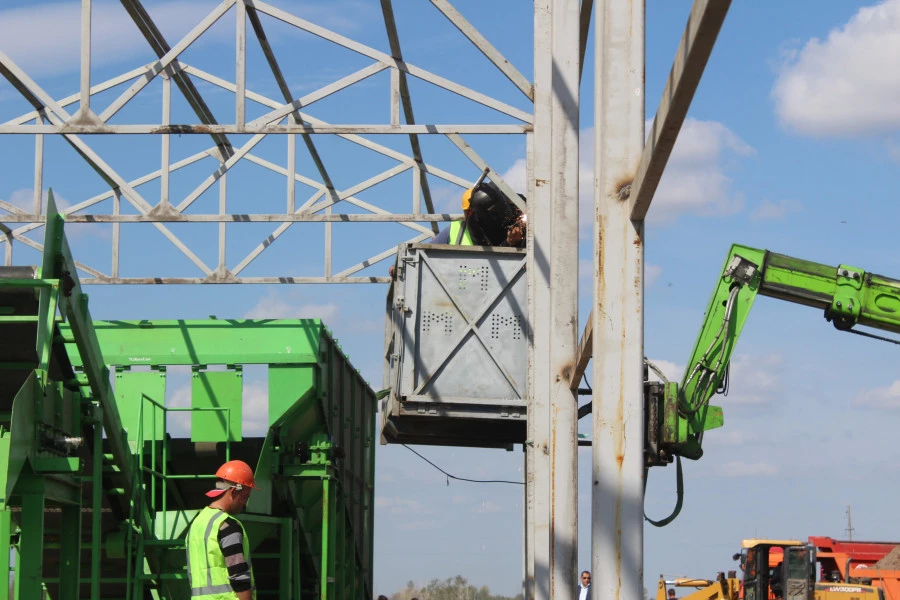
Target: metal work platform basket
456, 342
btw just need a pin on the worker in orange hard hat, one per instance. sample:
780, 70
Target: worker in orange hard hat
218, 551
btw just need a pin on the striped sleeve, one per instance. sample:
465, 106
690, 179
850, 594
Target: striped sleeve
231, 541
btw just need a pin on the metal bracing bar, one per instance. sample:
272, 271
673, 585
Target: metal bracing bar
306, 210
471, 325
390, 25
220, 172
395, 96
292, 106
57, 114
161, 47
40, 248
287, 279
328, 244
429, 169
291, 172
417, 190
165, 168
38, 170
240, 77
285, 90
393, 62
182, 129
117, 201
32, 92
72, 99
221, 268
703, 27
617, 508
696, 45
486, 48
359, 187
7, 253
266, 164
13, 209
392, 251
70, 217
380, 213
585, 349
85, 97
165, 60
482, 164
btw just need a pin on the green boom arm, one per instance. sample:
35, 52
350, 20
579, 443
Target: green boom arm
678, 414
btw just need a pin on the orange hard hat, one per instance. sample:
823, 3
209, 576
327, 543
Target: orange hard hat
234, 472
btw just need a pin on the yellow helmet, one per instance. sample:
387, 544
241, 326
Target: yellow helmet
466, 197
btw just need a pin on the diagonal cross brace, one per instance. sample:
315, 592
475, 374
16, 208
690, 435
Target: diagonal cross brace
472, 325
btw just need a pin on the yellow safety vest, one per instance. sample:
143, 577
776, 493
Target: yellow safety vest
466, 240
207, 571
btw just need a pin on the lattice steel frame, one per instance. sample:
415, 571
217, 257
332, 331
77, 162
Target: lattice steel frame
285, 117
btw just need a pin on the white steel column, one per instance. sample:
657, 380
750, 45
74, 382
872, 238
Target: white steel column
565, 79
618, 471
553, 303
538, 273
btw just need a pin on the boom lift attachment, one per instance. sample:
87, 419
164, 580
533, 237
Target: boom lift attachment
679, 414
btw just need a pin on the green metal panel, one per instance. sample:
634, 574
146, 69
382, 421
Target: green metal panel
216, 390
138, 394
212, 341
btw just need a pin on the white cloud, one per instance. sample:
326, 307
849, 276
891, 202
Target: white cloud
400, 506
884, 398
515, 176
774, 211
487, 507
754, 380
115, 38
742, 469
721, 437
273, 306
842, 85
23, 198
695, 179
651, 274
672, 371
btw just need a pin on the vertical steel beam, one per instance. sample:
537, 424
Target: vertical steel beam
38, 168
553, 298
618, 414
221, 268
85, 57
116, 234
565, 80
240, 78
538, 274
528, 546
166, 140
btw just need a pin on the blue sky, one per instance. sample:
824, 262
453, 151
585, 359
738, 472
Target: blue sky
792, 144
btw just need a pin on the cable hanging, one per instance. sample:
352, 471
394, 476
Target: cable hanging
449, 476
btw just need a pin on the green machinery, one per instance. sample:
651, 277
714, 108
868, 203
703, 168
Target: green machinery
678, 414
97, 494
